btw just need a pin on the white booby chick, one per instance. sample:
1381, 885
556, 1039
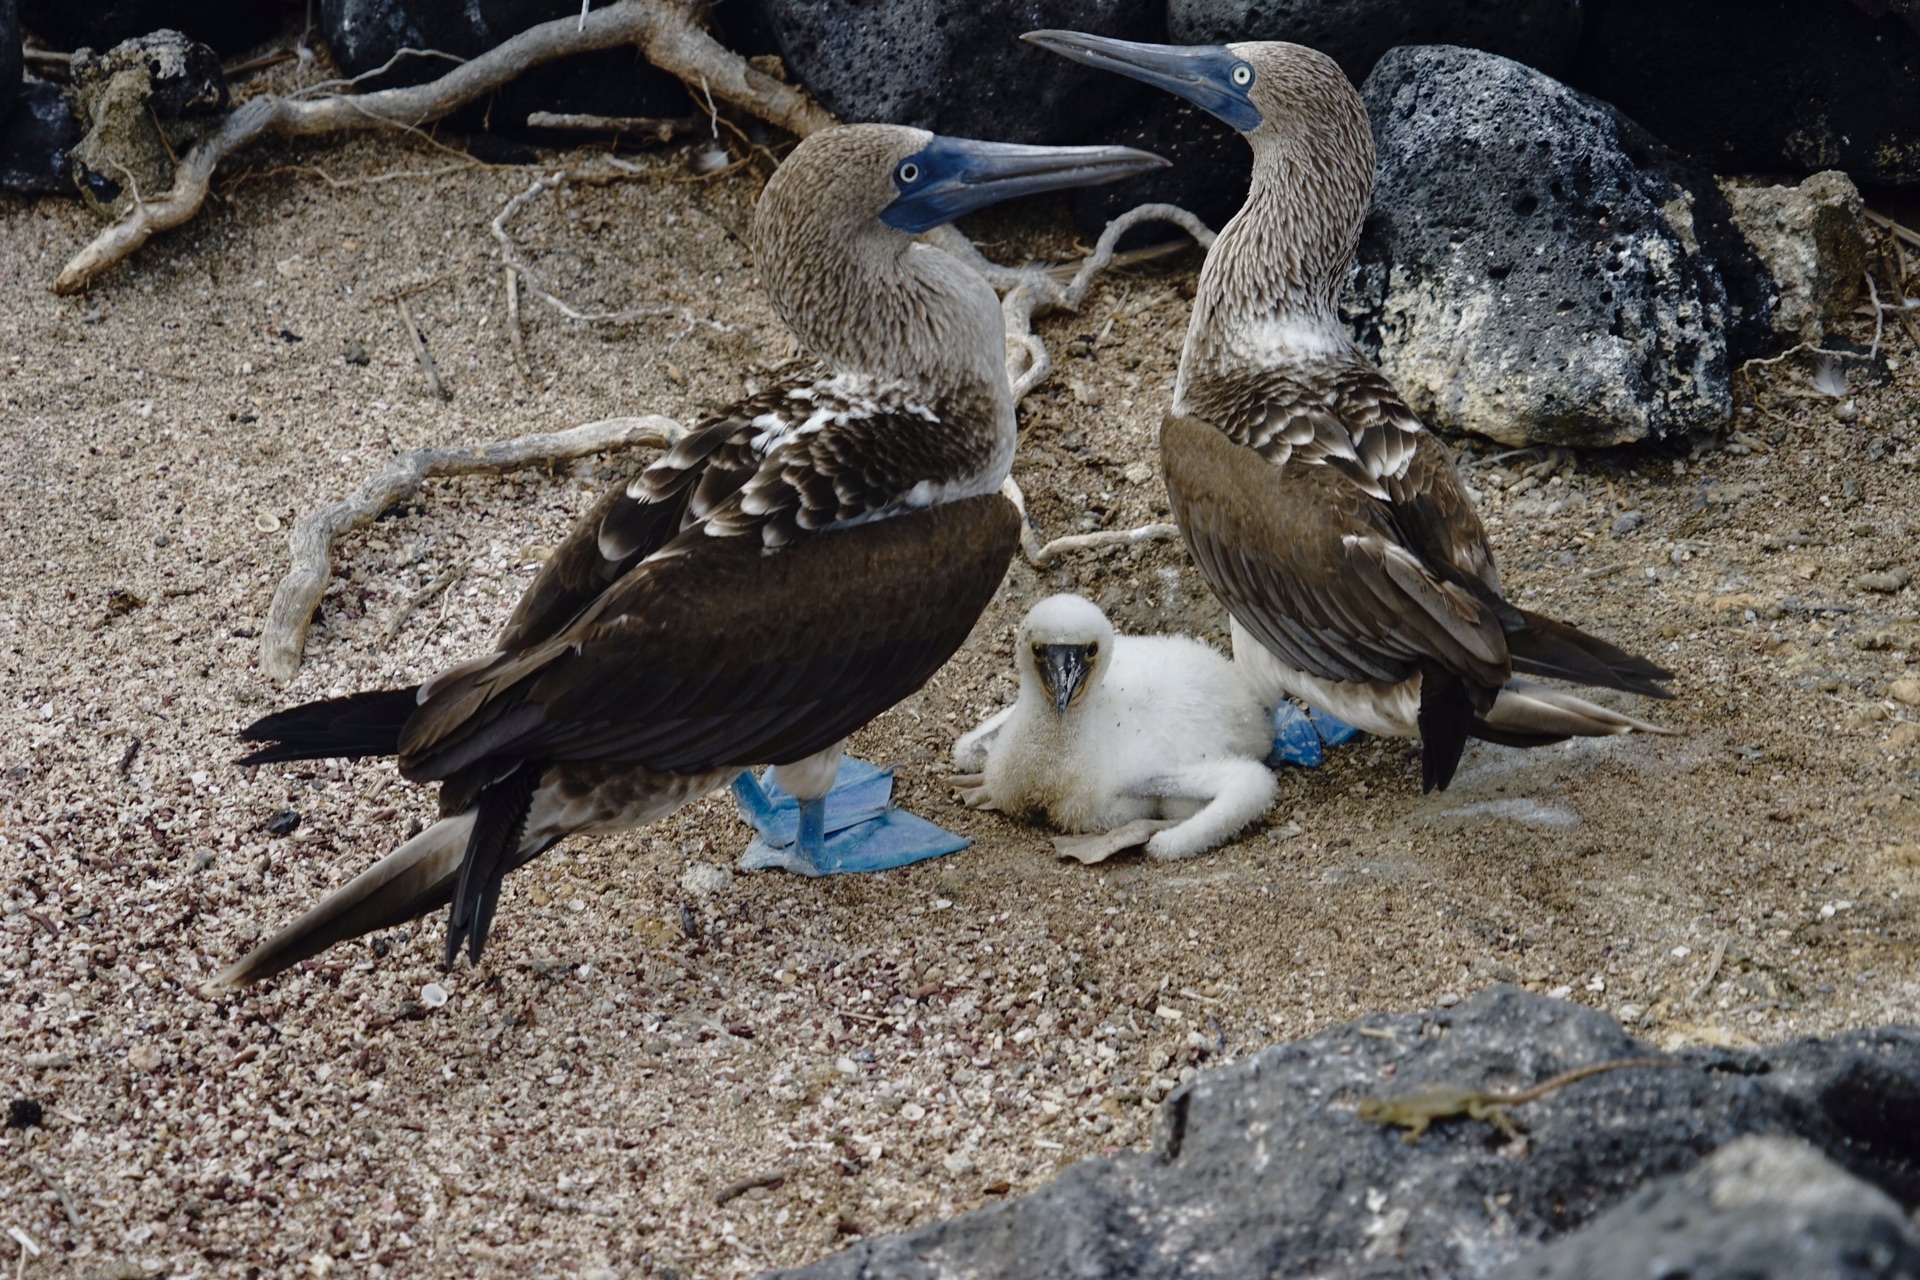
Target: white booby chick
1314, 502
785, 573
1122, 736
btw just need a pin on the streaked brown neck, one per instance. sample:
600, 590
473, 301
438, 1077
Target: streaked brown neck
1269, 291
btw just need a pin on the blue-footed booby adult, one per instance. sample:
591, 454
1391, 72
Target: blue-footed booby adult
1312, 499
779, 577
1153, 740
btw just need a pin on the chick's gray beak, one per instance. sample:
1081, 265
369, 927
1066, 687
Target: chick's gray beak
1063, 669
1211, 77
953, 176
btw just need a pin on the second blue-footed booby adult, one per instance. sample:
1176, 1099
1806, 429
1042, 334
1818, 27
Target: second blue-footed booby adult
1312, 499
779, 577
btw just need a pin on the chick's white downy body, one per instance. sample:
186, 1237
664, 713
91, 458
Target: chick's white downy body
1159, 734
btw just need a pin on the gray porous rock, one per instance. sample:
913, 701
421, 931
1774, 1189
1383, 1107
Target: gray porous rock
142, 103
957, 66
1756, 1209
1812, 239
1355, 33
1262, 1168
1537, 269
1766, 85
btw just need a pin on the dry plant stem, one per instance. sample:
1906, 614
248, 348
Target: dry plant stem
1044, 554
658, 128
665, 31
554, 182
434, 384
424, 595
285, 636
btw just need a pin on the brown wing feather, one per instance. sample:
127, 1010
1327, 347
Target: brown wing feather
1313, 565
724, 653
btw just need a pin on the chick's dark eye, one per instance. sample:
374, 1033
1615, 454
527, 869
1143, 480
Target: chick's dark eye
1243, 75
909, 172
1093, 650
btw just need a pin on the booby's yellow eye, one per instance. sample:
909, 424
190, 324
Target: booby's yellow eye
1242, 75
909, 172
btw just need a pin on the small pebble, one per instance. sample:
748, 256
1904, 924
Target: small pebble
913, 1113
357, 352
712, 160
283, 823
25, 1113
1626, 522
433, 995
1889, 581
1907, 691
703, 879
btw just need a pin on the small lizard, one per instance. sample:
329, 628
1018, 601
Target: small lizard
1416, 1110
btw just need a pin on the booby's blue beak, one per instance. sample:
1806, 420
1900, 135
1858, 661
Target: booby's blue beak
1063, 670
952, 176
1211, 77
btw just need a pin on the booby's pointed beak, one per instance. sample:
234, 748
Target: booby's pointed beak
1211, 77
1063, 670
952, 176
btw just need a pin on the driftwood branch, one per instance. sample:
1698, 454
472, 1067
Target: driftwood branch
285, 638
665, 31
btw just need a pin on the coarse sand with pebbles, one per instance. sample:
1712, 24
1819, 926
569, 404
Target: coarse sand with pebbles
666, 1069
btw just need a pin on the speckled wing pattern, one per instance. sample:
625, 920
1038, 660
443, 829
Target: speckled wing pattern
1349, 548
806, 453
700, 616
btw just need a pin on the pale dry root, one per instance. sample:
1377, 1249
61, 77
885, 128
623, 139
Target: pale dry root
667, 33
284, 639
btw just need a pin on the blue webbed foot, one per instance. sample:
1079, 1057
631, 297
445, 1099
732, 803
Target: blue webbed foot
1302, 737
854, 828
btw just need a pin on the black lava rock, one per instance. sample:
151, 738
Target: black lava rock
230, 26
37, 140
366, 34
1795, 85
1539, 269
284, 823
9, 56
1355, 33
1208, 178
25, 1113
956, 66
1262, 1167
1757, 1209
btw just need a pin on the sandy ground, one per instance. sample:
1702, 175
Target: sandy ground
880, 1051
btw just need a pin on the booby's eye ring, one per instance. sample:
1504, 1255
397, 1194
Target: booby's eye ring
1242, 76
908, 172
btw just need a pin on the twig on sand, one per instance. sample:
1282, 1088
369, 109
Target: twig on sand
1045, 554
434, 384
424, 595
667, 33
658, 128
285, 636
734, 1190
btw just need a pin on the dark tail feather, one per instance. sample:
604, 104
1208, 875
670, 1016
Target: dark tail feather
360, 724
1544, 647
499, 822
1446, 720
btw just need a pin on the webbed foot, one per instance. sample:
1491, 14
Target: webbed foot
1302, 737
855, 827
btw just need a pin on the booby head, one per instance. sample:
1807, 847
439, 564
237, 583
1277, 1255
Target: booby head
835, 232
1063, 646
1272, 281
